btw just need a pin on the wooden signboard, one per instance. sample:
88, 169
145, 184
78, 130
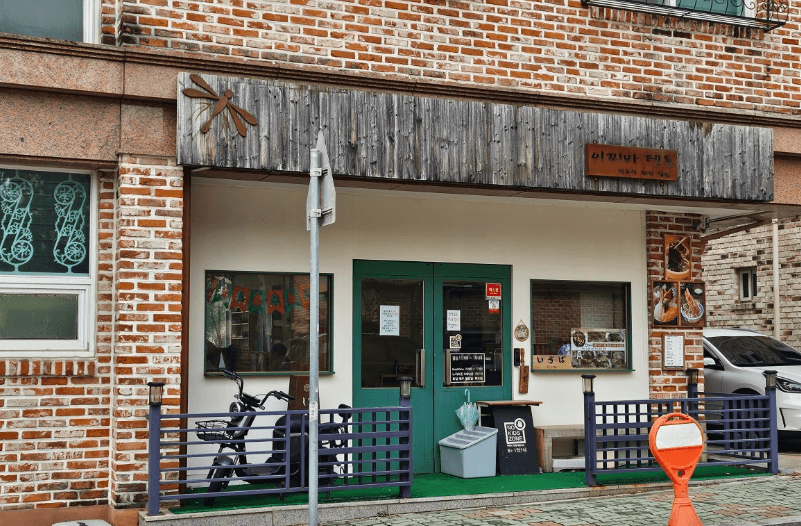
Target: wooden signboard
605, 160
523, 384
551, 361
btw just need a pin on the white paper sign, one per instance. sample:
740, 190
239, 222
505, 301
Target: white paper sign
674, 351
454, 320
390, 320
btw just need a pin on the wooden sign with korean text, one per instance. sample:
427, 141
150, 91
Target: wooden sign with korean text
551, 361
605, 160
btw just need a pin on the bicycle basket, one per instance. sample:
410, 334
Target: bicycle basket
212, 430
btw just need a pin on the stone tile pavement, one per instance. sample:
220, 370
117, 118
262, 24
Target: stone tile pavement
759, 501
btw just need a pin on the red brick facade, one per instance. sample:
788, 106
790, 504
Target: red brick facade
671, 383
557, 47
72, 431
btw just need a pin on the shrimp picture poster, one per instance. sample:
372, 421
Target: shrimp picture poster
692, 304
665, 303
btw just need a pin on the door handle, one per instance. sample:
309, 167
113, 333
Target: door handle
420, 368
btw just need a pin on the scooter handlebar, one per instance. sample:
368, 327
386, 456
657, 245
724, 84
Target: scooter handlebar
279, 395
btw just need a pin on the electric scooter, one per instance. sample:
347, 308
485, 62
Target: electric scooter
232, 435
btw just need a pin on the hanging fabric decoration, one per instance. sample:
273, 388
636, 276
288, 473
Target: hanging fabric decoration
211, 288
275, 301
290, 300
256, 303
304, 290
239, 299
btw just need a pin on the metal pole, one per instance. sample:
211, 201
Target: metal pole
773, 421
314, 329
589, 431
777, 317
153, 460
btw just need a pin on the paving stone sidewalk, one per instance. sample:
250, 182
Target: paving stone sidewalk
760, 501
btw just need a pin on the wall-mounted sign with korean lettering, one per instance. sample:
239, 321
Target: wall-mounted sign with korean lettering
605, 160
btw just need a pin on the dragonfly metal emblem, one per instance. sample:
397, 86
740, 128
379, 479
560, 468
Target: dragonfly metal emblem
223, 102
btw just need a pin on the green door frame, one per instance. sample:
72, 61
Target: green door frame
434, 405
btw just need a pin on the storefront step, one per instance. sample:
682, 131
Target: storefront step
299, 514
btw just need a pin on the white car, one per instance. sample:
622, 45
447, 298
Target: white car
734, 360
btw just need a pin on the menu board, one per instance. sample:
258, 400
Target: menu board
593, 348
466, 367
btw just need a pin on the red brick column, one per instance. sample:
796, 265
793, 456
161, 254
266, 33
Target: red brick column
147, 340
671, 383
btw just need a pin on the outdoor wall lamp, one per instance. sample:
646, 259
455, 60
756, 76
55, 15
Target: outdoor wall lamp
155, 393
770, 379
692, 376
405, 387
587, 381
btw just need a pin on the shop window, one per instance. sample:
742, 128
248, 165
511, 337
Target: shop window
46, 283
747, 278
258, 322
76, 20
580, 325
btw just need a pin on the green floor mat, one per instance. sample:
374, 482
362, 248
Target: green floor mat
440, 485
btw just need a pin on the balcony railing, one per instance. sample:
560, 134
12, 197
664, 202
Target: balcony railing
759, 14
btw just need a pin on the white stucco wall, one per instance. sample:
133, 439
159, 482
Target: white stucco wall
258, 227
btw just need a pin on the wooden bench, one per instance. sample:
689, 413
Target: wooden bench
565, 443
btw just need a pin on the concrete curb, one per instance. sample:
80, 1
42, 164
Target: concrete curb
298, 514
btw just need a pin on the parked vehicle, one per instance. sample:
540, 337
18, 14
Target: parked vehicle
734, 360
232, 435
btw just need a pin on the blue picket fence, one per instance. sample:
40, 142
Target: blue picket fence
358, 448
740, 430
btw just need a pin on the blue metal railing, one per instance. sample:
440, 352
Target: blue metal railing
740, 429
359, 448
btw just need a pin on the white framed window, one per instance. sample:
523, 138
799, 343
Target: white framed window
747, 279
76, 20
47, 262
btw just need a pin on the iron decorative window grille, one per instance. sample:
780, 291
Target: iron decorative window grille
759, 14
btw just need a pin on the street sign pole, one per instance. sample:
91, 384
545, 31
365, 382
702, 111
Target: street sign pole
316, 216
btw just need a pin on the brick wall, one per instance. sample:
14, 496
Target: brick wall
754, 249
55, 413
671, 383
552, 46
148, 310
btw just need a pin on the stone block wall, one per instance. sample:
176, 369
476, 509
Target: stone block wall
754, 249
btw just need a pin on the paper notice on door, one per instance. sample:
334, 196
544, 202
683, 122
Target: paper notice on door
454, 321
389, 320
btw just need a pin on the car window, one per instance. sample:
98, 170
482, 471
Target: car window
755, 351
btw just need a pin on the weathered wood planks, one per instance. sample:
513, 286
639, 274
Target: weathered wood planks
399, 136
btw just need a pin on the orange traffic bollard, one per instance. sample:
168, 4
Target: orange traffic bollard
676, 442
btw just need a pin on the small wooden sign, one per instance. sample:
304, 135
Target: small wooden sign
522, 387
606, 160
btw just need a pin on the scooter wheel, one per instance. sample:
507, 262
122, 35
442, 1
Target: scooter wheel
219, 481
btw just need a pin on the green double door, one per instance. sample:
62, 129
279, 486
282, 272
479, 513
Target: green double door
435, 323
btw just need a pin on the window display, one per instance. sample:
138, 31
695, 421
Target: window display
580, 325
258, 322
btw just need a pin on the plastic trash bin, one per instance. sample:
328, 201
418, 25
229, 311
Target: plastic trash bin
469, 454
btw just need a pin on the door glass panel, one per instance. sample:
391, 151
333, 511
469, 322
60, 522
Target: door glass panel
392, 332
472, 337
